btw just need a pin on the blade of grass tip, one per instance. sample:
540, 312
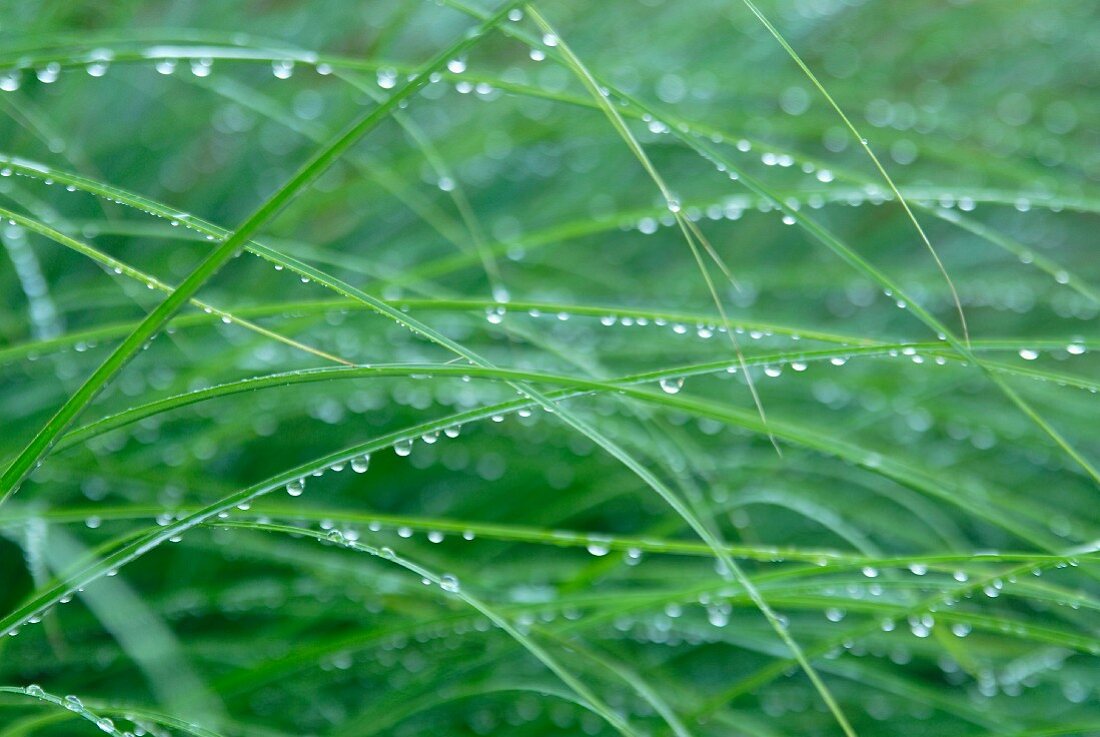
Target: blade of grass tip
552, 38
714, 255
731, 333
33, 453
154, 283
863, 142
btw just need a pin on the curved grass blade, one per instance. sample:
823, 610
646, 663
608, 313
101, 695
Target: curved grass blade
121, 267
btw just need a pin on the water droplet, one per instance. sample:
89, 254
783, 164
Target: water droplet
550, 39
1028, 355
671, 385
387, 78
718, 616
72, 703
35, 690
49, 73
598, 547
870, 572
1075, 349
833, 614
202, 67
165, 66
361, 464
403, 447
295, 488
435, 536
456, 66
282, 68
449, 583
918, 569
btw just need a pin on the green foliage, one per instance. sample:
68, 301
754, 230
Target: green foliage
634, 367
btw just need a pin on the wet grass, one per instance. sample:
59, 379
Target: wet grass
631, 368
